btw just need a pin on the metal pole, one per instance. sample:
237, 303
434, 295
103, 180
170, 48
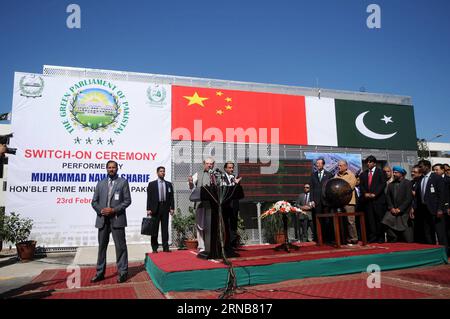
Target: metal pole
258, 209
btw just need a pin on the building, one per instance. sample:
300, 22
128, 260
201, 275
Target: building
387, 143
439, 153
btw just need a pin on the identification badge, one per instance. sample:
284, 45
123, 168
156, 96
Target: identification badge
168, 189
432, 188
116, 196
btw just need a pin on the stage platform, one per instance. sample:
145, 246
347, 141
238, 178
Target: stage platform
181, 270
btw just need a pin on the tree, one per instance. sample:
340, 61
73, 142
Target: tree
423, 151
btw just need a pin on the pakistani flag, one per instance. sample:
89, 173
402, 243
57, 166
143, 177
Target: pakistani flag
375, 125
5, 117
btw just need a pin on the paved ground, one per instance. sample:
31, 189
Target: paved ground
14, 274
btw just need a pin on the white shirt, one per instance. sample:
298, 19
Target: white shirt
230, 177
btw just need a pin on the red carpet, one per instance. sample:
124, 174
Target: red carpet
430, 282
265, 255
109, 293
57, 279
341, 287
52, 284
436, 276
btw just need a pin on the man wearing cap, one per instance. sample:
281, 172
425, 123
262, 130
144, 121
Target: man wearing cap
399, 201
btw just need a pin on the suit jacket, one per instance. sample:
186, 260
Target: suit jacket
153, 195
447, 191
233, 202
120, 200
316, 186
301, 201
434, 198
377, 186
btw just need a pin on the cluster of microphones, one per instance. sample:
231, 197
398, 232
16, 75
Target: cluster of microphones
218, 173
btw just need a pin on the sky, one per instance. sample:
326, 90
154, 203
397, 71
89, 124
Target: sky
298, 43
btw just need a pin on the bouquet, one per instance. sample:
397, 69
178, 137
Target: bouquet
280, 207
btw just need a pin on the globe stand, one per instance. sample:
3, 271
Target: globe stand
286, 246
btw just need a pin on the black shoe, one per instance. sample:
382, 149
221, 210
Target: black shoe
167, 250
122, 278
155, 251
231, 254
97, 278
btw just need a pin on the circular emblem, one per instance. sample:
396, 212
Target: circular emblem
156, 94
94, 108
31, 85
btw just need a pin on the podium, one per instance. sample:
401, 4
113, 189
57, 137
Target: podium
215, 196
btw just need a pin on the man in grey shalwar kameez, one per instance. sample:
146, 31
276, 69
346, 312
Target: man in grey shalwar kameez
399, 199
203, 208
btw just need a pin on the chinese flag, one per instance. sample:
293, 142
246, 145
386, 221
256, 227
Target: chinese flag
231, 109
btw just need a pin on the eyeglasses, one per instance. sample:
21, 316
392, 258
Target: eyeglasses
306, 187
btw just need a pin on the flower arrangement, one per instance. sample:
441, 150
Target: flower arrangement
280, 207
275, 219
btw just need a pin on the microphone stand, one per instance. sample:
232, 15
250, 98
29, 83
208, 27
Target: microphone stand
231, 286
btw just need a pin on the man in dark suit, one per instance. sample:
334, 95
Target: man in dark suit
416, 219
160, 204
230, 209
304, 218
430, 203
447, 217
318, 179
111, 198
373, 184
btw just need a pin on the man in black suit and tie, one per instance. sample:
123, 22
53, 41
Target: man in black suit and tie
230, 210
318, 179
430, 202
303, 220
111, 198
373, 184
159, 204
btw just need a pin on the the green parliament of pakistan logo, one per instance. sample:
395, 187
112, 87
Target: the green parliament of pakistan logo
96, 109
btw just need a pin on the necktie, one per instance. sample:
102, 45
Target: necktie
307, 199
424, 187
320, 176
370, 178
162, 193
213, 179
110, 187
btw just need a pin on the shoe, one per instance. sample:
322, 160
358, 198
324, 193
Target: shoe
155, 251
231, 254
97, 278
167, 250
122, 278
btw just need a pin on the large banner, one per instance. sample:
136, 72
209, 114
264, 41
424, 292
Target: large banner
65, 130
243, 116
354, 161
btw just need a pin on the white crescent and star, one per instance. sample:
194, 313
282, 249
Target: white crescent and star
387, 119
362, 128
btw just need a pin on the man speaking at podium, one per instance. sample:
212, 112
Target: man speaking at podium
203, 208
